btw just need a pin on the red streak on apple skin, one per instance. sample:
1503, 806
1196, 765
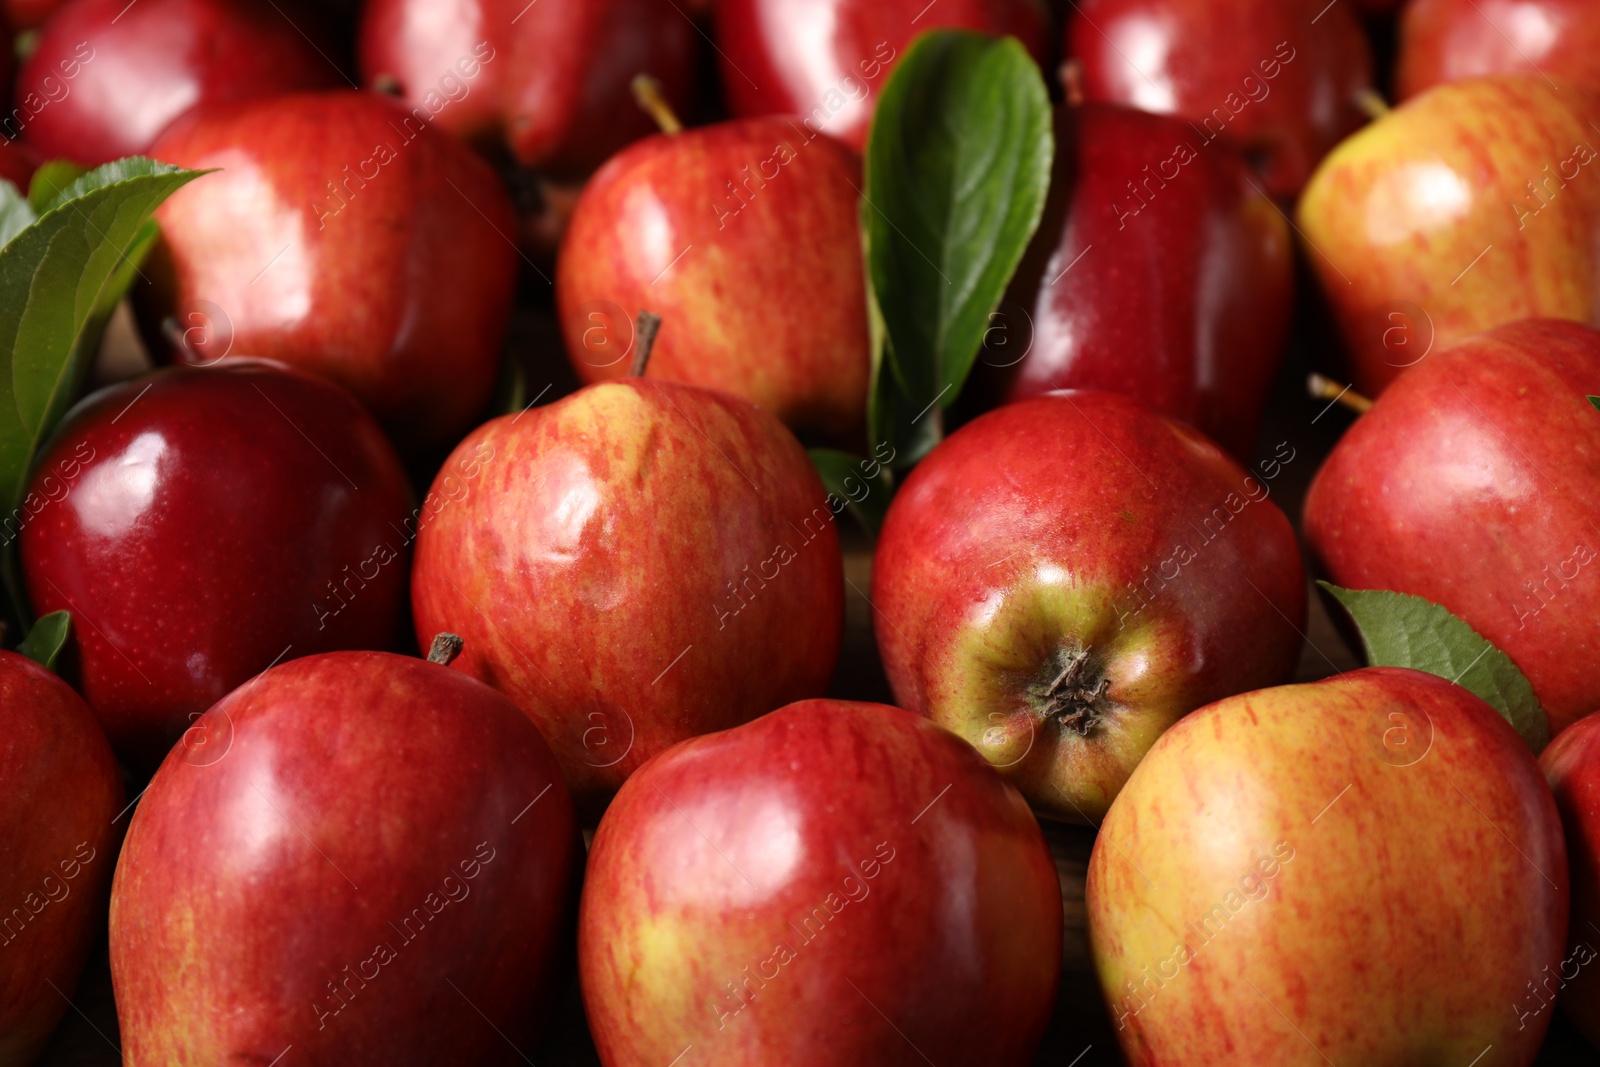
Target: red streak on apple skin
636, 564
202, 524
356, 785
62, 790
939, 900
1471, 484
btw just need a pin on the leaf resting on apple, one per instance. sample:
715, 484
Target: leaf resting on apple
48, 637
1398, 630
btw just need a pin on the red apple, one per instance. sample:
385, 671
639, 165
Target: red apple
1448, 40
1160, 272
826, 61
200, 525
1367, 869
548, 80
106, 76
27, 14
1121, 572
343, 236
1572, 766
17, 163
634, 565
834, 883
745, 237
58, 842
1278, 78
378, 868
1471, 484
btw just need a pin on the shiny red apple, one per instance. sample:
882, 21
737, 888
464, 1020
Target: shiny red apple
826, 61
834, 883
689, 226
1572, 766
1471, 484
549, 80
58, 843
343, 236
371, 862
1280, 79
1449, 40
201, 525
1065, 577
1160, 272
106, 76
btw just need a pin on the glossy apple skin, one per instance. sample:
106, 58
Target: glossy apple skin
1115, 535
1365, 869
938, 900
202, 523
58, 844
1178, 292
1265, 78
1423, 228
826, 61
553, 81
659, 228
397, 286
346, 794
1572, 767
634, 565
1448, 40
1470, 484
149, 63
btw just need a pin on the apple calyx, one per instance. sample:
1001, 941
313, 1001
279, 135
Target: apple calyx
648, 94
1072, 696
645, 329
445, 648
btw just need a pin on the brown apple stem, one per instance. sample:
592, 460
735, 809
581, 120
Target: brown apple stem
386, 85
648, 94
1327, 389
1372, 104
1072, 82
445, 648
175, 334
645, 330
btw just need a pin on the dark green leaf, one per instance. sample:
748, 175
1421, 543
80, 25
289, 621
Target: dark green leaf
865, 485
957, 171
47, 638
16, 214
50, 179
1407, 631
1595, 400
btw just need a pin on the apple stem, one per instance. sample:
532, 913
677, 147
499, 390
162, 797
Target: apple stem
1372, 104
1072, 82
645, 330
648, 94
1322, 388
446, 647
175, 334
386, 85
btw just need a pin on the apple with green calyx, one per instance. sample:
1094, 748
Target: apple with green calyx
1365, 869
834, 861
1448, 40
1122, 573
58, 844
369, 859
686, 224
638, 563
1572, 766
1463, 209
1470, 484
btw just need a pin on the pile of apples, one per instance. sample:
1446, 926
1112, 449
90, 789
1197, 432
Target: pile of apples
456, 609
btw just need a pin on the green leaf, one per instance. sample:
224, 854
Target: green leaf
48, 637
50, 179
865, 485
1595, 400
957, 171
16, 214
1407, 631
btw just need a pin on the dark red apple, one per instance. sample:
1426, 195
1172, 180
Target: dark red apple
826, 61
1471, 484
833, 883
106, 76
1450, 40
377, 868
18, 161
689, 225
1280, 79
634, 565
58, 844
1065, 577
1160, 272
201, 525
1572, 766
345, 237
548, 80
27, 14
